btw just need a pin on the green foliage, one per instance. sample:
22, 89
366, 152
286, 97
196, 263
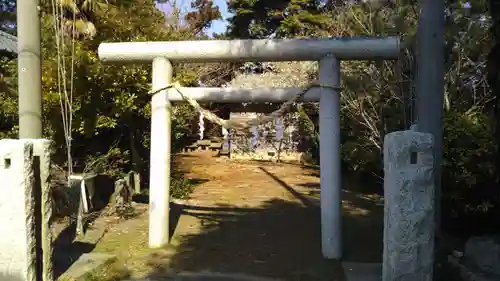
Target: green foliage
8, 98
308, 128
468, 146
286, 18
181, 187
110, 105
182, 130
469, 172
110, 163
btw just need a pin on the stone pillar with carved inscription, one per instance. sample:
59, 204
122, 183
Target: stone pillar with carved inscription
408, 207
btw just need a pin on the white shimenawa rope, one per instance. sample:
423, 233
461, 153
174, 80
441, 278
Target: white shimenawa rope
242, 125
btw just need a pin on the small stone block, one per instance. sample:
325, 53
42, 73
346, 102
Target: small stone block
216, 145
204, 142
224, 152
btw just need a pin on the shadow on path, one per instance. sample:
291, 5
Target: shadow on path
362, 223
279, 239
67, 251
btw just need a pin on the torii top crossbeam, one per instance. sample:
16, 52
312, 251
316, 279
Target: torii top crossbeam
310, 49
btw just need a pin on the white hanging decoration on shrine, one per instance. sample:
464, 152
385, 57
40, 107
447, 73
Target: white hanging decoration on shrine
201, 124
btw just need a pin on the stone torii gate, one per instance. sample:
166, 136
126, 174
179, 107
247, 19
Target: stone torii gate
328, 51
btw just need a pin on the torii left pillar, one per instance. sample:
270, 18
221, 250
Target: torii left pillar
159, 233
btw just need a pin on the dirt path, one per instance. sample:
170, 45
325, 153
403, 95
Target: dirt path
258, 219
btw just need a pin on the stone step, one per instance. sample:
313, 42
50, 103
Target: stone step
204, 142
216, 145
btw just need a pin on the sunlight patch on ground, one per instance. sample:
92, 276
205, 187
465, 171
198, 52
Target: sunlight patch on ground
353, 210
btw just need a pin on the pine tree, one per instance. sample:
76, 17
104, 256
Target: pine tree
277, 18
203, 16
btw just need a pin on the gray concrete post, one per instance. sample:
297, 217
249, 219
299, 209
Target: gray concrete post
29, 69
430, 83
408, 206
159, 183
330, 176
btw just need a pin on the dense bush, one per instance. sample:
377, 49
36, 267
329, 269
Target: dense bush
471, 198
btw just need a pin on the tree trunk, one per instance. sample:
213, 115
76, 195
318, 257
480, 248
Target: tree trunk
137, 164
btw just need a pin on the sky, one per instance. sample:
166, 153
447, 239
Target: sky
185, 5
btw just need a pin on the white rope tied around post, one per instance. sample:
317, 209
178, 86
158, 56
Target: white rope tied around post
243, 125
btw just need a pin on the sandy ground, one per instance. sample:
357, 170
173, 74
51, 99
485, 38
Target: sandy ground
253, 218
